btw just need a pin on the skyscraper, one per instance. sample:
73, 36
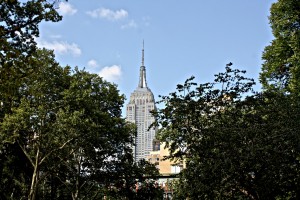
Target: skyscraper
138, 111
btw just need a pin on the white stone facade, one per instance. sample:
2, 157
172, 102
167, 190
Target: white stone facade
138, 111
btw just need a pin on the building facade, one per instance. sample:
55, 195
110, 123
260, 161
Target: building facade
138, 111
168, 169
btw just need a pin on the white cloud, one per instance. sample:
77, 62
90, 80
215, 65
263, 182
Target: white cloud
66, 9
111, 73
60, 47
93, 63
131, 24
106, 13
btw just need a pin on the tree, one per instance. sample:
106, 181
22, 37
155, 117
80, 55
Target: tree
91, 113
19, 25
29, 125
68, 128
62, 135
281, 67
236, 144
135, 181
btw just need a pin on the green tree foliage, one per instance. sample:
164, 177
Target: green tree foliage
135, 181
91, 113
61, 131
27, 128
68, 131
281, 67
18, 27
236, 144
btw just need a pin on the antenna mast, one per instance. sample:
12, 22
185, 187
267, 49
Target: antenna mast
143, 54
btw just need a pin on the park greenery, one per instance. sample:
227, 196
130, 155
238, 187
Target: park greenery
61, 129
62, 135
238, 143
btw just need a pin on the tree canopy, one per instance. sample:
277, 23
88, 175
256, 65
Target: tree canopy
19, 26
281, 58
236, 144
66, 127
62, 135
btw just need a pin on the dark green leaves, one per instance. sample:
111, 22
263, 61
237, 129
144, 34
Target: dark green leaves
237, 144
280, 69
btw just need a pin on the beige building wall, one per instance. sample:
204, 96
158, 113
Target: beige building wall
166, 167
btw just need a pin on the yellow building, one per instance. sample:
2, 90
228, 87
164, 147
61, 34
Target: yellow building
166, 167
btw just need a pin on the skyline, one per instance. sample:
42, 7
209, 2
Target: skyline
181, 39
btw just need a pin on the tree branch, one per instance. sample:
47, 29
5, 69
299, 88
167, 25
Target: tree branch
61, 147
26, 154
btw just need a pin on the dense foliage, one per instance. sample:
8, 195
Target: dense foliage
62, 135
282, 57
236, 144
19, 25
65, 138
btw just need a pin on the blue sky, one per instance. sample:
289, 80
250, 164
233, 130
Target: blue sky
182, 38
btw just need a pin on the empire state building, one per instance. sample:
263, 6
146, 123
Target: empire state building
138, 112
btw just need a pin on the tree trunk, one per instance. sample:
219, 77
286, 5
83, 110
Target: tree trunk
34, 180
77, 186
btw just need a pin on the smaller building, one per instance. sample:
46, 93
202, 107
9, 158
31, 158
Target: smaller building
166, 166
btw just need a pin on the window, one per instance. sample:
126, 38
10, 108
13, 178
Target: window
175, 169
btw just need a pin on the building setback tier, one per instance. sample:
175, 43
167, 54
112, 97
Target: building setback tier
138, 111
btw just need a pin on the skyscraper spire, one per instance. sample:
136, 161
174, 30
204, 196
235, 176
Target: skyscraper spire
142, 82
138, 112
143, 55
